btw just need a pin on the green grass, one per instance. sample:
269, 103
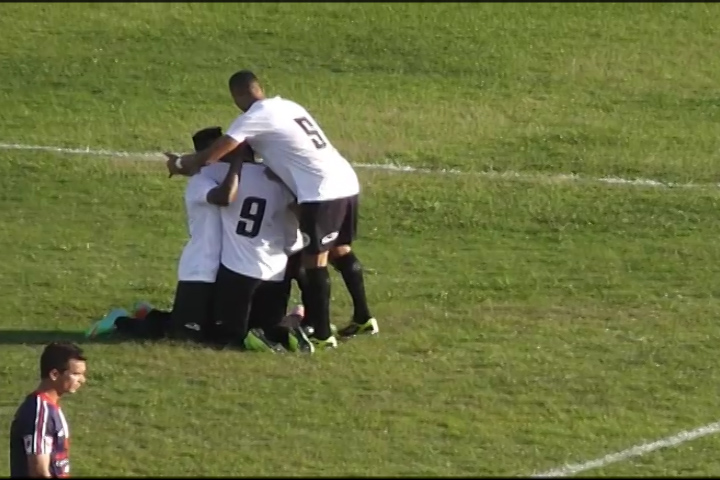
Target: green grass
525, 322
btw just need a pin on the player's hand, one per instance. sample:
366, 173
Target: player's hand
189, 166
171, 164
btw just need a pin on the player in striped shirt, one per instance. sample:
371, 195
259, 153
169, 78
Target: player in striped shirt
39, 433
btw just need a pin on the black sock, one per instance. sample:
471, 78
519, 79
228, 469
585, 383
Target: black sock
351, 270
317, 305
302, 283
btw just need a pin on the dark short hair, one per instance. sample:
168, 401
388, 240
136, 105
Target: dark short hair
242, 81
57, 356
205, 137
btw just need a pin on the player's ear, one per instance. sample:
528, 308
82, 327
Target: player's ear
54, 374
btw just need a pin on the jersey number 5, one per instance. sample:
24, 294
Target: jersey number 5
252, 212
311, 132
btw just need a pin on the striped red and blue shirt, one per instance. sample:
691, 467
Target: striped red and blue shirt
39, 428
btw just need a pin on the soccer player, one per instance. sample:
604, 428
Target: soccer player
200, 259
295, 148
259, 229
39, 433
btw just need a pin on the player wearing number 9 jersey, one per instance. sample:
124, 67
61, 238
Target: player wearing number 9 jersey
259, 229
295, 148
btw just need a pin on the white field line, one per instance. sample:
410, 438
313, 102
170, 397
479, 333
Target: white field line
157, 156
636, 451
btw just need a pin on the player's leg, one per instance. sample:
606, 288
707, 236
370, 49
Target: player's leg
266, 311
320, 222
132, 324
268, 314
295, 271
232, 304
344, 260
152, 326
190, 312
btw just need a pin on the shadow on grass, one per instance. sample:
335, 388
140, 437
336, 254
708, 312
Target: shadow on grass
43, 337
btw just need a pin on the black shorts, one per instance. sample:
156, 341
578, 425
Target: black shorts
329, 223
193, 304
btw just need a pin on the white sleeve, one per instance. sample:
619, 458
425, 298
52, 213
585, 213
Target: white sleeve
37, 428
198, 188
246, 126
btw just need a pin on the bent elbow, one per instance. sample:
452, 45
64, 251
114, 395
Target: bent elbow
232, 196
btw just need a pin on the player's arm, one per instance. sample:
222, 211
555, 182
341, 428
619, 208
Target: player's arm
190, 163
38, 440
39, 466
244, 127
226, 192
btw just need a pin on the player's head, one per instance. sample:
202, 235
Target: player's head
202, 139
63, 366
245, 89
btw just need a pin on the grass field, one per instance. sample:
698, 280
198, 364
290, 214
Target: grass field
525, 321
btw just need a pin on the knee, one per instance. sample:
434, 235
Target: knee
339, 251
314, 260
347, 262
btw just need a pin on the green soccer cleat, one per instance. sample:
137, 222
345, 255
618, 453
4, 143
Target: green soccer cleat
299, 341
256, 341
370, 327
310, 330
106, 324
328, 343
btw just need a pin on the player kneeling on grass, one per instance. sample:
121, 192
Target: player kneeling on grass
200, 258
260, 229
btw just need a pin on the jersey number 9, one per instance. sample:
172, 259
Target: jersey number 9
252, 212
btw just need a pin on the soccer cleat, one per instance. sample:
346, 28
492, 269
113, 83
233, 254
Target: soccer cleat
310, 330
258, 342
299, 341
330, 342
370, 327
141, 309
106, 324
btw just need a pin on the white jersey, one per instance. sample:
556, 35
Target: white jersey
295, 148
259, 230
200, 258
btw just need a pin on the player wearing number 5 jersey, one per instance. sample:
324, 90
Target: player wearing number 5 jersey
295, 148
